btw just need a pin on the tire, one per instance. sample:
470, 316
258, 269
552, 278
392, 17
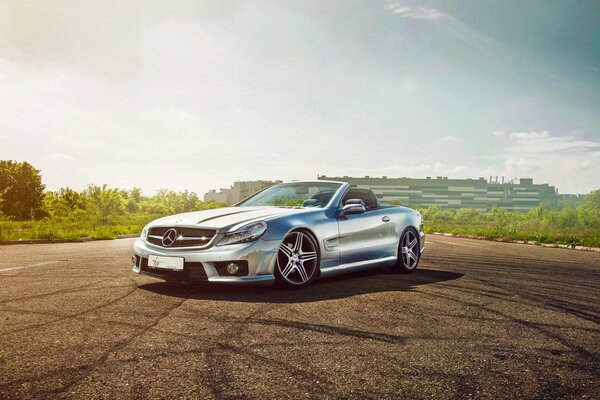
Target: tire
297, 264
409, 252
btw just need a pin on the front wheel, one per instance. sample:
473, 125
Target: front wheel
297, 261
409, 252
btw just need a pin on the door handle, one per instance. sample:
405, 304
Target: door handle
385, 219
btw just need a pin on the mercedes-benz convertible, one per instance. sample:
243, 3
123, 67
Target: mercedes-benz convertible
289, 234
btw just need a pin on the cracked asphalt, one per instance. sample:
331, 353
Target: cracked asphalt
478, 319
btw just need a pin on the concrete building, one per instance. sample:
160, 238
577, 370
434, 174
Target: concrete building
457, 193
222, 196
238, 191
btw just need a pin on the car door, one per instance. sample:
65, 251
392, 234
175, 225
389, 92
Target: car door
366, 236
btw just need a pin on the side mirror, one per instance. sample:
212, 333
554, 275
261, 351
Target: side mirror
352, 209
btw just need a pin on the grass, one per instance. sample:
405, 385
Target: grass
569, 226
567, 237
76, 230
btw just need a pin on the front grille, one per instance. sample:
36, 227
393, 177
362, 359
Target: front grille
186, 237
192, 271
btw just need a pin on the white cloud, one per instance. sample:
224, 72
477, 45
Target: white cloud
529, 135
427, 13
544, 143
397, 9
417, 170
519, 164
449, 139
498, 134
454, 170
564, 161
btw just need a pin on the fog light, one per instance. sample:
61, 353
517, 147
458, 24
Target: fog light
232, 268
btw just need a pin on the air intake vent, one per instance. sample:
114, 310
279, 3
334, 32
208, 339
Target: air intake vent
192, 271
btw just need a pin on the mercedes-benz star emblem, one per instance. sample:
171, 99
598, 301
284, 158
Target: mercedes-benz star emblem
169, 237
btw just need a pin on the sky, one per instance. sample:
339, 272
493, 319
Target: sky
193, 95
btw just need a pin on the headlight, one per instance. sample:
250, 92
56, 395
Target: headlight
246, 233
144, 234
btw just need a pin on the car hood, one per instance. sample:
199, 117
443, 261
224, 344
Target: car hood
226, 218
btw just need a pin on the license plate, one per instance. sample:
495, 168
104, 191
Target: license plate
173, 263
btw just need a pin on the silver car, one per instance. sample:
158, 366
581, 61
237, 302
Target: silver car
289, 234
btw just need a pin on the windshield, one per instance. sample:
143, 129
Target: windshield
299, 194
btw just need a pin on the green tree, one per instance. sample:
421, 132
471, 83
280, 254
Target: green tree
103, 203
590, 209
395, 202
592, 201
51, 205
71, 199
1, 201
209, 205
21, 189
134, 198
183, 201
64, 203
434, 213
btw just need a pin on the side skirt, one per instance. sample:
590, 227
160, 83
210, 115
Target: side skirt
356, 266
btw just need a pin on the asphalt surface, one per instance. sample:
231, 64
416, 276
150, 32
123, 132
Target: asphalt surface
478, 319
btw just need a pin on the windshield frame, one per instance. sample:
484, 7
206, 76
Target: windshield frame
331, 204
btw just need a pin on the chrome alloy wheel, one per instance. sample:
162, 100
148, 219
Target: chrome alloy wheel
297, 258
410, 249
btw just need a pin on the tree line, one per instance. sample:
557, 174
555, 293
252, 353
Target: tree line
23, 197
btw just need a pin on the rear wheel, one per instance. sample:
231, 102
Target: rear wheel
297, 261
409, 252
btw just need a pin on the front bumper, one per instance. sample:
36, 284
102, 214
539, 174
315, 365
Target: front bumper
260, 256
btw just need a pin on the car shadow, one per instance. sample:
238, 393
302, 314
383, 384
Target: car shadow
370, 281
